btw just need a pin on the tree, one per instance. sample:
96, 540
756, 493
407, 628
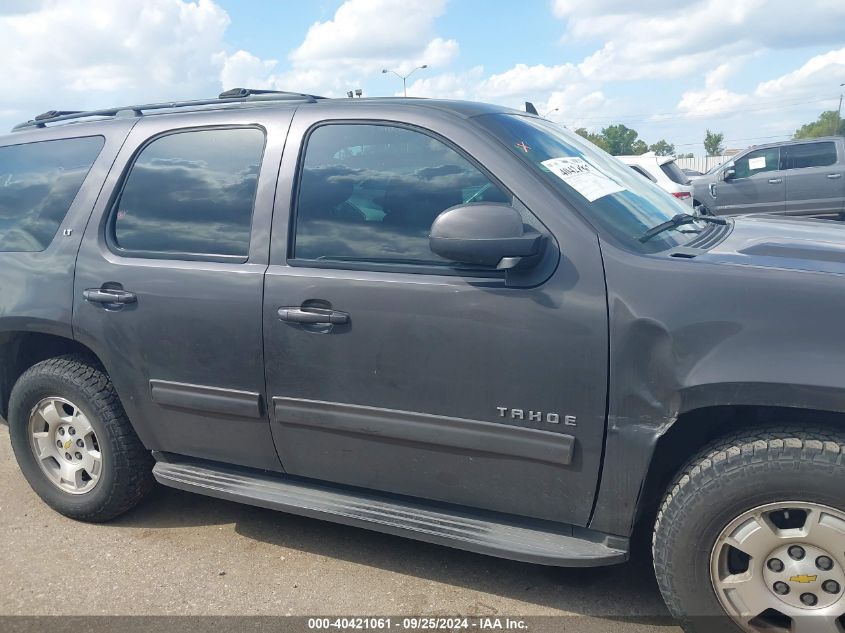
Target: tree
828, 124
662, 148
713, 143
689, 155
622, 140
596, 139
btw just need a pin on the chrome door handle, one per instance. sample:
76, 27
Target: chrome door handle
313, 316
109, 296
712, 187
775, 181
834, 176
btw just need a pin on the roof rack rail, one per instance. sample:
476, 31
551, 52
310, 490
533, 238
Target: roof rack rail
235, 95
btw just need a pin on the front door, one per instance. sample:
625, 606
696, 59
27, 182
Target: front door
388, 368
757, 187
169, 283
815, 179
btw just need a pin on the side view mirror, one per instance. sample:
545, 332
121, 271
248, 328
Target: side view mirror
484, 234
729, 172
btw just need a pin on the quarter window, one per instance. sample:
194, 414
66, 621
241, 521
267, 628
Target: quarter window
370, 193
191, 193
757, 162
810, 155
38, 183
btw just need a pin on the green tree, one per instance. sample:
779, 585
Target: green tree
828, 124
713, 143
662, 148
689, 155
622, 140
596, 139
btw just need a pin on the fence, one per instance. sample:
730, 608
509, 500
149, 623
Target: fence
703, 164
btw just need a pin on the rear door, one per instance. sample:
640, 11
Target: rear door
169, 281
815, 178
433, 382
759, 185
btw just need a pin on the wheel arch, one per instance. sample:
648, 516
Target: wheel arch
695, 429
21, 349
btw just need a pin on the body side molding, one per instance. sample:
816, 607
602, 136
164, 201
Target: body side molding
246, 404
423, 428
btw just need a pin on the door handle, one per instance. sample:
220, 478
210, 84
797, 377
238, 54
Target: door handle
834, 176
111, 296
313, 316
712, 187
775, 181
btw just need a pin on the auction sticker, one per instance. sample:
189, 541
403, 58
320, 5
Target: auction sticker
582, 177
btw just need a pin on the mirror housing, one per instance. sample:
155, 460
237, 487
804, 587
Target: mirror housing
729, 171
484, 234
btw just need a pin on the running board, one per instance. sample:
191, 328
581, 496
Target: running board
540, 542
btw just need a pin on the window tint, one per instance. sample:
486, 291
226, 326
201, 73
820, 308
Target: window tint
372, 192
643, 172
191, 193
674, 173
757, 162
38, 182
810, 155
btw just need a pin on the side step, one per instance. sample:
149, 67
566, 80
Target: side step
540, 542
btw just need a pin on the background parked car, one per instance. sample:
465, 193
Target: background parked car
805, 177
663, 171
692, 173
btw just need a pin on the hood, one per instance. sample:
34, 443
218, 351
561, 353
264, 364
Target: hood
788, 243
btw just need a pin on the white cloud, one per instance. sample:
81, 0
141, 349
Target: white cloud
811, 84
349, 50
88, 53
661, 39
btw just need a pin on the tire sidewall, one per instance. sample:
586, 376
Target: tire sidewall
725, 496
26, 395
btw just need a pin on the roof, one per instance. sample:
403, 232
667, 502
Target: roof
244, 98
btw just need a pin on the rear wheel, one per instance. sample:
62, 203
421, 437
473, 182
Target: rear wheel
751, 536
73, 441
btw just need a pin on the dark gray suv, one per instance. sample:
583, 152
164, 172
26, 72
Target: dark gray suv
444, 320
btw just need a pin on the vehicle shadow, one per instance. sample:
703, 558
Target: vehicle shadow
622, 593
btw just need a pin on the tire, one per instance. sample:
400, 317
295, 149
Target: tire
763, 472
123, 475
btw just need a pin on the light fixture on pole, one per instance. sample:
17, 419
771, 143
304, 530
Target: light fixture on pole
404, 77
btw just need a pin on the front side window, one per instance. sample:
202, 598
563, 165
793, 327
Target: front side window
38, 183
191, 193
758, 162
370, 193
810, 155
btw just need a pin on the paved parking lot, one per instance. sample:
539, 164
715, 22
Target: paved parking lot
183, 554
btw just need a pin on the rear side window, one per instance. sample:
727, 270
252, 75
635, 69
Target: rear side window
38, 183
370, 193
810, 155
674, 173
191, 194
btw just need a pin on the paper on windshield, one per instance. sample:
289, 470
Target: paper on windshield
757, 163
583, 177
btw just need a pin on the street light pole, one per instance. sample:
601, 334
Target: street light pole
404, 78
839, 111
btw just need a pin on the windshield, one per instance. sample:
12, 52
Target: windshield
612, 196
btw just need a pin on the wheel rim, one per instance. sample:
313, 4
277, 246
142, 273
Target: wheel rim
65, 446
781, 567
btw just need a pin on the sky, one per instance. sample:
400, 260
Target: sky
753, 69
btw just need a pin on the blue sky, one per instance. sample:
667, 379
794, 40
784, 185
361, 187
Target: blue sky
754, 70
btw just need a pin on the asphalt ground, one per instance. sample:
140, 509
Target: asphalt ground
181, 554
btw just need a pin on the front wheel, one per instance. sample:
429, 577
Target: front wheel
751, 536
73, 441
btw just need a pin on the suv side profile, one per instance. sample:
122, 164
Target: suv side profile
444, 320
803, 177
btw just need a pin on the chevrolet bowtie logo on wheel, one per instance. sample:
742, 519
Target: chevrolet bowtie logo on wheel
803, 579
68, 444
